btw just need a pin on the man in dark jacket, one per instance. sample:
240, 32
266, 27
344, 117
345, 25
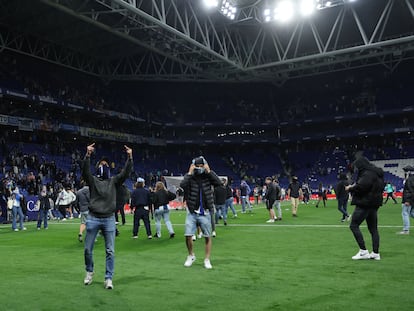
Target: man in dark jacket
102, 209
367, 198
198, 182
140, 203
407, 199
342, 196
220, 196
271, 197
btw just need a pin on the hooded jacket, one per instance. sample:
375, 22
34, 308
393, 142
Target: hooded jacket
192, 183
368, 189
103, 191
408, 193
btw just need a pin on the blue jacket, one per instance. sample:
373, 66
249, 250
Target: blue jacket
140, 197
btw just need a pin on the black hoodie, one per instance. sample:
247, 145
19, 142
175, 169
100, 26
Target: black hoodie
368, 189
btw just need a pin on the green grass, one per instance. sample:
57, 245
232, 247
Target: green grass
297, 264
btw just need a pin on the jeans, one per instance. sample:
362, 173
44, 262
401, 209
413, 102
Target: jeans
163, 214
342, 207
244, 201
17, 210
42, 216
221, 211
370, 215
141, 213
276, 205
406, 217
229, 203
107, 227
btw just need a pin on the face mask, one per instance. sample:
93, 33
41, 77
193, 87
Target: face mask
199, 170
103, 172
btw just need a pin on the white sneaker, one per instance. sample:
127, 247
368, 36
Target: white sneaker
189, 261
199, 236
207, 264
88, 278
270, 220
108, 284
404, 232
16, 229
362, 254
24, 229
193, 237
375, 256
213, 234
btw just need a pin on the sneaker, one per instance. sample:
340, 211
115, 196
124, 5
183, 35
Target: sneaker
270, 220
135, 237
213, 234
199, 236
157, 235
362, 254
207, 264
235, 216
63, 219
193, 237
279, 219
24, 229
108, 284
80, 237
225, 223
404, 232
348, 218
172, 235
16, 229
150, 237
38, 228
88, 278
189, 261
375, 256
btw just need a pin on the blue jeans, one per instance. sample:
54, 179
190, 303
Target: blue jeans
17, 210
107, 226
162, 214
42, 216
229, 203
342, 207
406, 217
245, 200
193, 220
221, 210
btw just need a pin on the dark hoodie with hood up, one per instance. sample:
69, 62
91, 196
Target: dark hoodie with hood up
368, 189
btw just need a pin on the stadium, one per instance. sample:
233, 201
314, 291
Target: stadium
259, 88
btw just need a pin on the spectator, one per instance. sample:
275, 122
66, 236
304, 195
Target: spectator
294, 191
342, 196
140, 203
44, 206
17, 209
161, 198
408, 200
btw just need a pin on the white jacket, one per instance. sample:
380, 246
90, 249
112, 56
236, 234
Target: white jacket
65, 197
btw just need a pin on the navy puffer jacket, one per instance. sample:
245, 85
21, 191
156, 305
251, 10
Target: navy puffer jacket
191, 185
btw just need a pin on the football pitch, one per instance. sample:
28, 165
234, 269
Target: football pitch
299, 263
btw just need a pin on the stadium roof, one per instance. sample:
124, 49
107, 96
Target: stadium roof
179, 40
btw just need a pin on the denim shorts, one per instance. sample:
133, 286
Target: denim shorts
193, 220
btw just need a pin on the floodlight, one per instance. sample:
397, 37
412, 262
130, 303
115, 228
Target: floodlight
284, 11
328, 3
307, 7
266, 12
232, 16
211, 3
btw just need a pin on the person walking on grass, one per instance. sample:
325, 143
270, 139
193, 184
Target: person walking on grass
367, 198
342, 197
271, 197
140, 203
83, 200
198, 182
294, 191
220, 196
245, 196
102, 207
44, 206
161, 198
229, 199
321, 195
17, 210
389, 189
407, 200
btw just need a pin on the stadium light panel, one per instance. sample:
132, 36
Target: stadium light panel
307, 7
284, 11
211, 3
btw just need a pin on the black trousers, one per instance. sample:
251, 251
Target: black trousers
371, 217
120, 209
390, 195
141, 213
62, 210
